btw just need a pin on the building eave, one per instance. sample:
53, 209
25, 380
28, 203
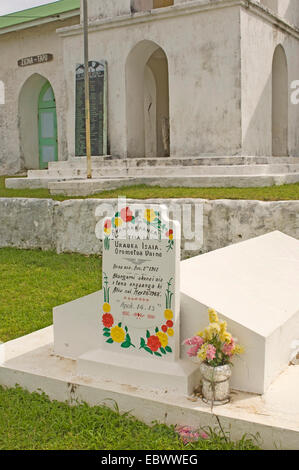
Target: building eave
41, 21
183, 9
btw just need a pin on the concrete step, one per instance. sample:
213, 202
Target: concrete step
177, 171
99, 162
88, 187
29, 183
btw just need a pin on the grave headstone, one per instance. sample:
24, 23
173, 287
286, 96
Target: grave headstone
129, 333
140, 305
98, 109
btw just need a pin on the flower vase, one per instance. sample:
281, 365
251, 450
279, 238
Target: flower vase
215, 383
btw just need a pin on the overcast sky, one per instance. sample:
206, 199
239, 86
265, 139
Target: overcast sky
10, 6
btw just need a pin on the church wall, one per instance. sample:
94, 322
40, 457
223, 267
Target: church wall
259, 40
14, 46
204, 78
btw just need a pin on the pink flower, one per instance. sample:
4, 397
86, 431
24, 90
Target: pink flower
227, 349
195, 340
204, 435
211, 352
188, 342
187, 434
192, 352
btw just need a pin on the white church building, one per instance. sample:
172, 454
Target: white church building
193, 90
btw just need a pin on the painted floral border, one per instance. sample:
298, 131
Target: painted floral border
154, 344
151, 217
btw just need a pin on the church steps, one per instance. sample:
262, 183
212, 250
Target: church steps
73, 173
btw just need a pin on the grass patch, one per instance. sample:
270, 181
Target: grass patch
33, 282
32, 422
272, 193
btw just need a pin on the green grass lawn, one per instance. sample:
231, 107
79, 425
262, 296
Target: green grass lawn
31, 421
272, 193
32, 283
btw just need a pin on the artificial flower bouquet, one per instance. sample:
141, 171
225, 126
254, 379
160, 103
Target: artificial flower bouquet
214, 345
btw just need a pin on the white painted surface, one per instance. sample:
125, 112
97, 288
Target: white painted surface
77, 326
254, 286
141, 282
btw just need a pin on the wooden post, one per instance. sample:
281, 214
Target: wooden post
87, 100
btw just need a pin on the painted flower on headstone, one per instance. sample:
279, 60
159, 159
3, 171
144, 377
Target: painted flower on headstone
107, 320
126, 214
153, 342
157, 344
162, 338
118, 334
169, 234
168, 314
117, 221
150, 215
106, 307
107, 227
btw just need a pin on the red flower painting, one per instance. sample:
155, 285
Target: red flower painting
107, 320
107, 224
126, 214
153, 343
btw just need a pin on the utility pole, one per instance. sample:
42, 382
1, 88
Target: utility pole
86, 79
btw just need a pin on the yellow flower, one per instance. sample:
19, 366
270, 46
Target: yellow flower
168, 314
214, 328
202, 354
163, 338
106, 307
118, 222
208, 333
213, 316
170, 332
223, 326
170, 236
117, 334
149, 215
225, 336
107, 231
200, 333
238, 349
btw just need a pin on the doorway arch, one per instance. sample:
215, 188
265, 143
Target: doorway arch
47, 126
280, 103
37, 123
147, 101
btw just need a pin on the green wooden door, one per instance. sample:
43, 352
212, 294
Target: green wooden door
47, 127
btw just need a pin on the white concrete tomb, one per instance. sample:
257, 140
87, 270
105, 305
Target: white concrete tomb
254, 285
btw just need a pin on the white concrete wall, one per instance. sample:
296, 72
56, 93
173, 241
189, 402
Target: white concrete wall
248, 372
204, 77
259, 40
106, 8
286, 9
70, 226
14, 46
